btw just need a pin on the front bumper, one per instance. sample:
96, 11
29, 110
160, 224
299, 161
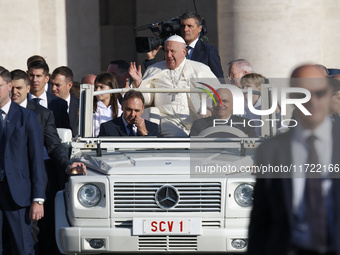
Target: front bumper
72, 240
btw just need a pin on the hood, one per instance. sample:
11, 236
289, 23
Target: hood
163, 162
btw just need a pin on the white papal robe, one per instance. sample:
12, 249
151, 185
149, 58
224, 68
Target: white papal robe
178, 110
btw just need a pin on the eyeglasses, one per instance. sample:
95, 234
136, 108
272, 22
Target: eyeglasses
232, 75
318, 94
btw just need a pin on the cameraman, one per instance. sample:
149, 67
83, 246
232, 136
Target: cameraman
197, 49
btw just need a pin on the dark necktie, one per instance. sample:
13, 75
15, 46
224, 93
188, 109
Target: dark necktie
188, 48
2, 124
37, 100
2, 145
131, 133
315, 202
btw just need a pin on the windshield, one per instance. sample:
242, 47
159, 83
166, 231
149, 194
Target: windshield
220, 111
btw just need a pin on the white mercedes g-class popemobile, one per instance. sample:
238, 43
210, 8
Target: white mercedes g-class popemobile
155, 195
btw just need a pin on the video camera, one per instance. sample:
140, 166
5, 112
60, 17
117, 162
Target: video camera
161, 30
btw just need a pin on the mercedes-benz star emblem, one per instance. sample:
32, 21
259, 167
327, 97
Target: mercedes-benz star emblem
167, 197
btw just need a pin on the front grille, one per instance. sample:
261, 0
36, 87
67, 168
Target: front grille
194, 197
167, 243
123, 224
211, 224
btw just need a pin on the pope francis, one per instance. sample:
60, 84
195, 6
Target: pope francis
177, 110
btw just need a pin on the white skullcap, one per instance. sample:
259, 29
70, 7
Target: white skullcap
175, 38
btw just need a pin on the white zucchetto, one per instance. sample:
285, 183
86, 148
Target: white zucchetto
175, 38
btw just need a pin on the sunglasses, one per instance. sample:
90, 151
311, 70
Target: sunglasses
318, 94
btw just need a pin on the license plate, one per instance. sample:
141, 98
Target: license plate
167, 226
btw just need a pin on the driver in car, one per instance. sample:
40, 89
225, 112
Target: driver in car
223, 115
130, 123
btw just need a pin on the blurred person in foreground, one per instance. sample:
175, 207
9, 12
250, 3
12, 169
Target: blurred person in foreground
298, 212
335, 99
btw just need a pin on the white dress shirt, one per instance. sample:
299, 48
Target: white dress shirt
192, 46
5, 110
134, 128
323, 146
43, 99
102, 114
68, 100
24, 103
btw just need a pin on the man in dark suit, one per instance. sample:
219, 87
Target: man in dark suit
130, 123
222, 115
38, 57
51, 139
38, 72
55, 150
120, 69
38, 75
62, 82
197, 49
22, 186
300, 215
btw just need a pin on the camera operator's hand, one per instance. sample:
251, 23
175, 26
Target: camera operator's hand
152, 54
135, 74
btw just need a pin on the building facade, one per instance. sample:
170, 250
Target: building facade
273, 35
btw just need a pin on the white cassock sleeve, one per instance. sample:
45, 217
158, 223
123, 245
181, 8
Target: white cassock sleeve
197, 72
153, 72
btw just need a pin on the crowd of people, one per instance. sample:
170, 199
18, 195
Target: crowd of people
35, 165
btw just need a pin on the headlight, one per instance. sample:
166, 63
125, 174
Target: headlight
244, 195
89, 195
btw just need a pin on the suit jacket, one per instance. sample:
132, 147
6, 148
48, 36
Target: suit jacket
23, 156
272, 214
49, 134
74, 115
208, 54
59, 109
116, 127
204, 53
199, 125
